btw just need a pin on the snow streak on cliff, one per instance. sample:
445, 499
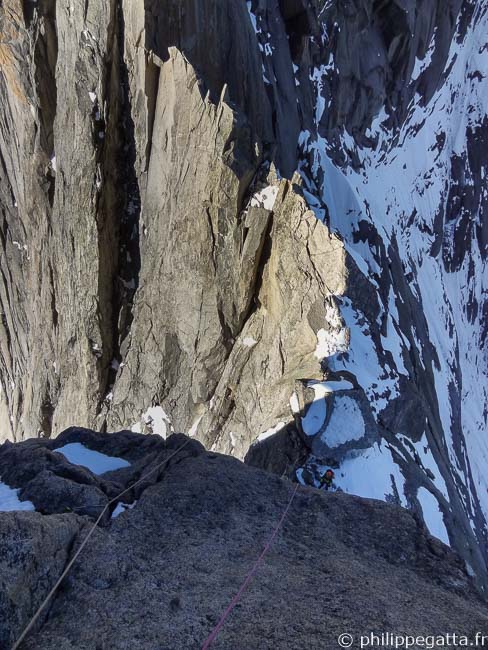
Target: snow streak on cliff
412, 210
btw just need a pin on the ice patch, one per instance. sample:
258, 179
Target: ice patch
10, 502
77, 454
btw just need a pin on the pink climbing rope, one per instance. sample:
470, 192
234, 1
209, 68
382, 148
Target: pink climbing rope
213, 635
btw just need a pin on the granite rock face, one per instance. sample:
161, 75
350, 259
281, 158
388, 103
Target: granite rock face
262, 222
160, 573
135, 266
35, 550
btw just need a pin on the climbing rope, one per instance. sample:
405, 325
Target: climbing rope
83, 544
213, 635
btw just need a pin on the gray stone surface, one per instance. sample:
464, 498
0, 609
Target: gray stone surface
160, 575
34, 552
155, 150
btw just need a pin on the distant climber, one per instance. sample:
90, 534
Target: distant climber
327, 480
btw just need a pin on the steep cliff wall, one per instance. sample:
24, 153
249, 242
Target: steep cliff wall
259, 222
151, 141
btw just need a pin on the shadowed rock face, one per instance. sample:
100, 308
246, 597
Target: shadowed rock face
209, 206
161, 573
373, 46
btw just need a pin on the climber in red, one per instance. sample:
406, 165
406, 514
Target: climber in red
327, 479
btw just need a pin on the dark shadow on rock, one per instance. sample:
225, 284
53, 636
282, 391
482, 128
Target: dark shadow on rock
282, 453
182, 552
219, 41
287, 450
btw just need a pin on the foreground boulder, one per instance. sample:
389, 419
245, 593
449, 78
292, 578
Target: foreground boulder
160, 574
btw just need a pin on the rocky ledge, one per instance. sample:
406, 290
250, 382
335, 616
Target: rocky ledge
163, 566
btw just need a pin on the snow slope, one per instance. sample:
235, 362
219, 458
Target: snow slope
410, 211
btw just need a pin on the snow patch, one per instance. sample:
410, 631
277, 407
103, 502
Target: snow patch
252, 17
122, 507
294, 403
346, 422
362, 360
194, 427
265, 198
428, 462
422, 64
249, 342
10, 502
271, 432
335, 338
77, 454
156, 420
330, 342
19, 246
432, 515
372, 474
317, 410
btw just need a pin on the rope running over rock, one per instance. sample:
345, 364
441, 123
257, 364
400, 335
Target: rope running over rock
28, 628
211, 638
